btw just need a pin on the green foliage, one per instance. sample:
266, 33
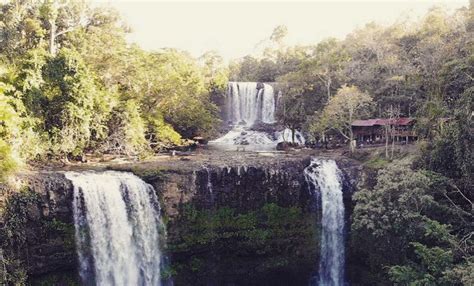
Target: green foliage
161, 133
405, 233
167, 272
127, 129
68, 71
185, 102
11, 270
346, 106
13, 236
21, 217
451, 151
70, 90
292, 111
56, 228
7, 162
377, 163
64, 278
8, 121
16, 218
271, 235
430, 270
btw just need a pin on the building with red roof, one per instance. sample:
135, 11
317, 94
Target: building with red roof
375, 130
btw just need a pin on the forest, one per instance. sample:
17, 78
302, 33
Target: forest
71, 85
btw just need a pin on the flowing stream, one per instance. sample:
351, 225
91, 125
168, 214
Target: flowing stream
117, 223
325, 176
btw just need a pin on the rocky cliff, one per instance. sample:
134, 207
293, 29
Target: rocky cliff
229, 222
37, 229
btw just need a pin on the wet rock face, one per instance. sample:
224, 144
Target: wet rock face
221, 226
39, 224
244, 187
248, 188
240, 225
55, 192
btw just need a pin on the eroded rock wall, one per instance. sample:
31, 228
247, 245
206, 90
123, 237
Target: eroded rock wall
37, 226
240, 224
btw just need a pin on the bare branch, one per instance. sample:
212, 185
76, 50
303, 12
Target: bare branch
66, 31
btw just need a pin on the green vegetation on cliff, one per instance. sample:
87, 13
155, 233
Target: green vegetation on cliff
23, 227
271, 238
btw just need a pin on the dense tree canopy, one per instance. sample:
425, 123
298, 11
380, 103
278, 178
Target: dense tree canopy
413, 224
413, 66
348, 104
71, 84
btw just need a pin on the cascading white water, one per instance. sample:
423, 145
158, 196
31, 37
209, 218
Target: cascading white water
287, 136
209, 182
117, 222
268, 104
247, 102
325, 176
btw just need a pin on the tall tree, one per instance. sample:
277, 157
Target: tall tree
347, 105
291, 111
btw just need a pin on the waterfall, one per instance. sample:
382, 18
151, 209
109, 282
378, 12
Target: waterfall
209, 182
325, 176
117, 222
249, 102
246, 104
286, 136
268, 104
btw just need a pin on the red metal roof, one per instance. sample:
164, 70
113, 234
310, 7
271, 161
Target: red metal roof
404, 121
383, 121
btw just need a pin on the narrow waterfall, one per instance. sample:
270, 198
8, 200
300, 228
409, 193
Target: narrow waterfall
268, 104
325, 176
249, 102
117, 223
209, 182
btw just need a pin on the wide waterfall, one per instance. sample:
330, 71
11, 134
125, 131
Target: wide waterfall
249, 102
325, 176
117, 222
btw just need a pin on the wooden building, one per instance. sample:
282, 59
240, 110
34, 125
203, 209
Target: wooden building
373, 131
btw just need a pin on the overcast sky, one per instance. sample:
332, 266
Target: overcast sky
234, 28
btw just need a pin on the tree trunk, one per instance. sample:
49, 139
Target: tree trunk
293, 135
52, 37
393, 145
386, 142
324, 141
328, 87
351, 135
351, 139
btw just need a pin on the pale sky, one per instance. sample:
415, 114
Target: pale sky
234, 28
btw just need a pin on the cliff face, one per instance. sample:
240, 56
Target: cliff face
242, 222
239, 225
252, 224
37, 226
